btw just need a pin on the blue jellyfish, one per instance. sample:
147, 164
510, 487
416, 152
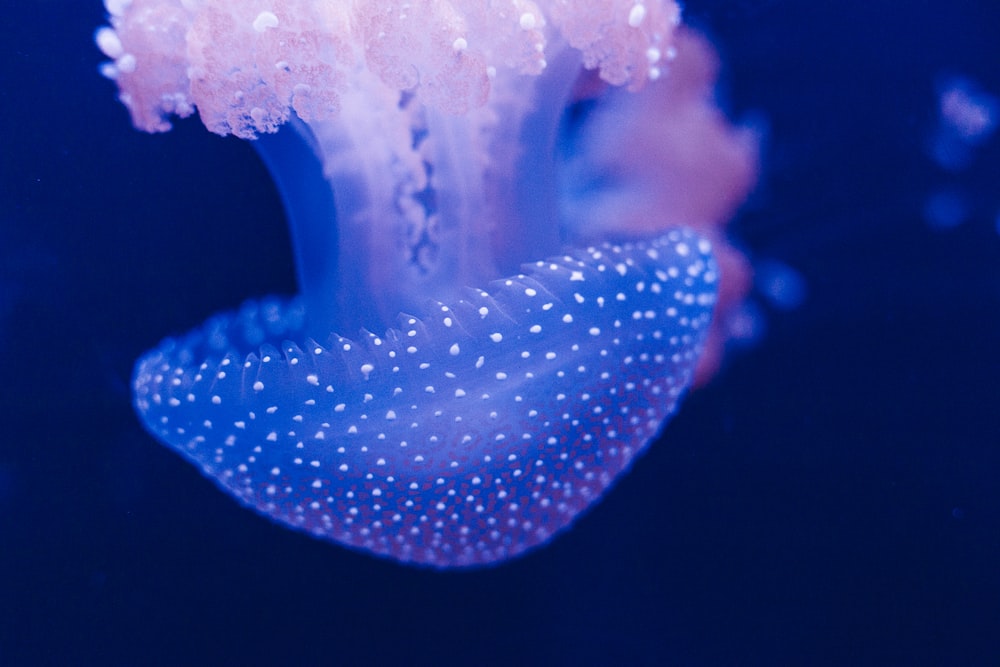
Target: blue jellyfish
504, 223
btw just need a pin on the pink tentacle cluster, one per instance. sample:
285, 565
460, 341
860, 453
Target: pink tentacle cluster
245, 65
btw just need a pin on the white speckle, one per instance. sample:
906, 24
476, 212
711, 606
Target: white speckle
258, 386
454, 350
126, 63
108, 42
460, 44
528, 21
636, 16
116, 7
264, 21
535, 329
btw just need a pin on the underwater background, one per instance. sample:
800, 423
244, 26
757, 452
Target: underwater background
831, 498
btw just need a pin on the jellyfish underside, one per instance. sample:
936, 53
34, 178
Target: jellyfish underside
466, 370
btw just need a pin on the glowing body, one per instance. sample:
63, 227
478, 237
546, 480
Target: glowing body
427, 158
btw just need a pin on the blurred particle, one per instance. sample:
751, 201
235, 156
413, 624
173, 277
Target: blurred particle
782, 286
946, 208
967, 117
746, 325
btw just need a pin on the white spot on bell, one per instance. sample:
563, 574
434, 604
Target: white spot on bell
636, 16
264, 21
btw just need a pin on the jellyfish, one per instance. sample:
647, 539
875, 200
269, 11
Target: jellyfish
508, 222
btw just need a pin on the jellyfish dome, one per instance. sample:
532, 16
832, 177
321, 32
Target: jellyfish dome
509, 228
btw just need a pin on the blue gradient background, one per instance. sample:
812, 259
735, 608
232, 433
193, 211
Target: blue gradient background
832, 499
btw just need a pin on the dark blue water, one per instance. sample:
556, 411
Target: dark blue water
831, 499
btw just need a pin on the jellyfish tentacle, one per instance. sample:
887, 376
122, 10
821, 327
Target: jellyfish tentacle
311, 211
435, 123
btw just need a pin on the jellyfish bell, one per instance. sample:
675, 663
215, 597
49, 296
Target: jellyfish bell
508, 192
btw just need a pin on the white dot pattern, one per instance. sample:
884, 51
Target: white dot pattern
460, 439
